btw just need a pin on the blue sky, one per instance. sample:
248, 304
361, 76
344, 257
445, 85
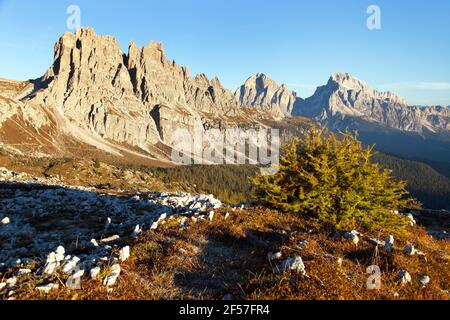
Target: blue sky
300, 43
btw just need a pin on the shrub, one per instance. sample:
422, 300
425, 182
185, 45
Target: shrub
333, 181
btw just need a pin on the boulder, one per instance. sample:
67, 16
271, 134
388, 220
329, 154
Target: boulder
405, 277
22, 272
94, 243
424, 280
48, 287
69, 266
389, 243
137, 231
409, 250
5, 221
111, 239
353, 236
293, 264
94, 272
274, 256
74, 281
112, 278
124, 253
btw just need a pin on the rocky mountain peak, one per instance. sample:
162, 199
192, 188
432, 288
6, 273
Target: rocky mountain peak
261, 91
346, 96
97, 94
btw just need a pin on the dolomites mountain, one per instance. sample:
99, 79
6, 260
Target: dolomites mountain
95, 98
345, 96
261, 91
96, 95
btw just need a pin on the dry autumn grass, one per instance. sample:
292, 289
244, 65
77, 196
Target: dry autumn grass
207, 260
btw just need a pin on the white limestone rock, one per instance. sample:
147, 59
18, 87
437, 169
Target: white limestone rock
74, 281
94, 272
137, 231
424, 280
405, 277
274, 256
409, 250
48, 287
353, 236
111, 239
22, 272
389, 243
94, 243
293, 264
110, 280
124, 253
70, 266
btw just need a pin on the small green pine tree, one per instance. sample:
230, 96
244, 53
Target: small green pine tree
334, 182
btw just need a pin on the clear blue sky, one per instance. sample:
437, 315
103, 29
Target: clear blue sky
295, 42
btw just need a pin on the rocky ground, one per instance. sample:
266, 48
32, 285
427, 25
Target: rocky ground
56, 238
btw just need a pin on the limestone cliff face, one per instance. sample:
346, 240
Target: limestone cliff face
90, 86
261, 91
346, 96
139, 98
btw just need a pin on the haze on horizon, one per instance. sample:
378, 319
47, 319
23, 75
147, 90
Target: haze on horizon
300, 43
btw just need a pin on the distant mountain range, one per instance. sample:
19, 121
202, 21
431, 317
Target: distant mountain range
128, 105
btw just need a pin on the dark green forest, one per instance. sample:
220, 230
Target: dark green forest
231, 184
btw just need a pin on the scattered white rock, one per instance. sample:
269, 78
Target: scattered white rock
353, 236
389, 243
227, 215
112, 278
22, 272
74, 281
94, 272
59, 254
162, 217
424, 280
51, 264
137, 231
5, 221
339, 261
60, 250
293, 264
124, 253
48, 287
182, 251
107, 223
154, 226
274, 256
303, 243
211, 215
405, 277
2, 285
70, 265
11, 282
409, 250
111, 239
183, 221
94, 242
412, 221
